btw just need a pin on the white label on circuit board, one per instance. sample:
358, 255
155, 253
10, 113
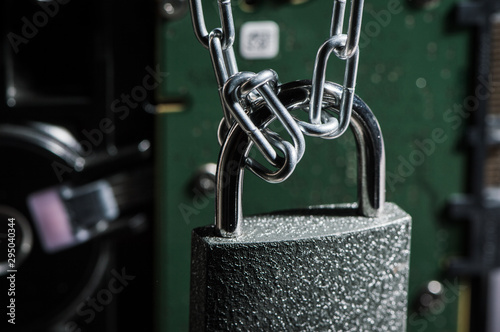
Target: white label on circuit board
259, 40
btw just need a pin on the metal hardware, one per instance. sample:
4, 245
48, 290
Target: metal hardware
371, 172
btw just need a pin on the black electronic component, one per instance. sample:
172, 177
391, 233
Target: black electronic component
481, 206
75, 78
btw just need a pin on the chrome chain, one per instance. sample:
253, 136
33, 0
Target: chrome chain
240, 91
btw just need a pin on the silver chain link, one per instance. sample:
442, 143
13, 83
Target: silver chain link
238, 91
345, 47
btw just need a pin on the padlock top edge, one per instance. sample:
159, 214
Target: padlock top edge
316, 221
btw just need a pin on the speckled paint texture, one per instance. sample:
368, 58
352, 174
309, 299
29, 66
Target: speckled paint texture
317, 269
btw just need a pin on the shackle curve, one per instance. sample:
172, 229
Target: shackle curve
296, 95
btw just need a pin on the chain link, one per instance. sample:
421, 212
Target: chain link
226, 19
223, 68
345, 47
239, 92
232, 99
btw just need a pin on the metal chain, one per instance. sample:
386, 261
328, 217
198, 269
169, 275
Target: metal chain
219, 42
345, 47
238, 91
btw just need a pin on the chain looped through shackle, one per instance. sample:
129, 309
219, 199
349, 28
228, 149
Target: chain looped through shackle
239, 90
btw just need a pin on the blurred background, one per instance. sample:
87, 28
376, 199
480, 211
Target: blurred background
108, 147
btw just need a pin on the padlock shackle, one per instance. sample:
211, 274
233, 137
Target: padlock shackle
234, 153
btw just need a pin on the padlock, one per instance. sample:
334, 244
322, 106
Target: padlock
336, 268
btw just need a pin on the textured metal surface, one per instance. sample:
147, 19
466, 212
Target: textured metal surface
311, 270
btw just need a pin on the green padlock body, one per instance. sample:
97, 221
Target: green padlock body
318, 269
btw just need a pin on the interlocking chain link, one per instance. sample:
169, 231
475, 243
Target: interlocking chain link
226, 20
345, 47
240, 91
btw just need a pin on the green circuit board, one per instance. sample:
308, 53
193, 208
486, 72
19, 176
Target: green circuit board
414, 69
